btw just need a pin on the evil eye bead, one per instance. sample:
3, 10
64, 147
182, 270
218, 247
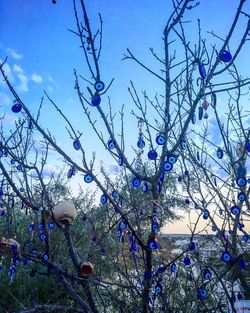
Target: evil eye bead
42, 237
145, 187
88, 178
187, 201
2, 213
16, 108
202, 293
158, 289
12, 161
219, 153
200, 113
160, 139
183, 144
240, 296
241, 182
70, 173
141, 143
186, 172
225, 56
172, 158
226, 257
153, 245
242, 196
122, 225
213, 99
104, 199
41, 226
152, 155
245, 238
99, 85
192, 246
45, 257
242, 264
214, 228
111, 144
136, 182
240, 226
202, 71
187, 261
120, 161
19, 167
161, 178
235, 210
173, 268
52, 225
96, 101
114, 194
247, 146
193, 118
155, 227
167, 167
207, 275
31, 228
76, 144
206, 214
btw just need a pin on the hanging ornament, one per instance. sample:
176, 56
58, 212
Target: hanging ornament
207, 275
206, 214
145, 187
172, 158
76, 144
160, 139
99, 85
242, 196
202, 293
219, 153
205, 105
235, 210
167, 167
247, 146
205, 116
183, 144
104, 199
88, 178
241, 171
193, 118
241, 181
198, 156
111, 144
158, 289
96, 101
202, 70
226, 257
200, 113
16, 108
225, 56
140, 143
152, 155
187, 261
192, 246
173, 268
136, 182
86, 269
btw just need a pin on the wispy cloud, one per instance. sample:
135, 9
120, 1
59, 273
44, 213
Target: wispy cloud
8, 72
15, 55
23, 82
36, 78
4, 99
17, 69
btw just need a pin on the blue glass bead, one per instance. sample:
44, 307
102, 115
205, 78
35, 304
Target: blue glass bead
219, 153
193, 118
187, 261
104, 199
158, 289
155, 227
1, 192
41, 226
19, 167
31, 227
42, 237
140, 143
186, 172
136, 182
120, 161
153, 245
76, 144
45, 257
173, 268
152, 155
241, 182
206, 214
167, 167
96, 101
226, 257
245, 238
88, 178
114, 194
179, 179
145, 187
192, 246
240, 296
16, 108
99, 85
214, 228
200, 114
241, 171
242, 264
70, 173
202, 70
207, 274
160, 139
235, 210
225, 56
122, 225
198, 156
12, 161
52, 225
134, 247
202, 293
1, 153
172, 158
2, 213
183, 144
187, 201
213, 99
118, 233
148, 275
111, 144
247, 146
84, 217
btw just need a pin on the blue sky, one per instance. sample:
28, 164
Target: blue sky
42, 53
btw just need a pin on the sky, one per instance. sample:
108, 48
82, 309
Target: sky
42, 53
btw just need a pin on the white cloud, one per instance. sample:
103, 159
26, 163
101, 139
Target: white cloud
4, 99
17, 69
8, 72
23, 83
36, 78
50, 79
14, 54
